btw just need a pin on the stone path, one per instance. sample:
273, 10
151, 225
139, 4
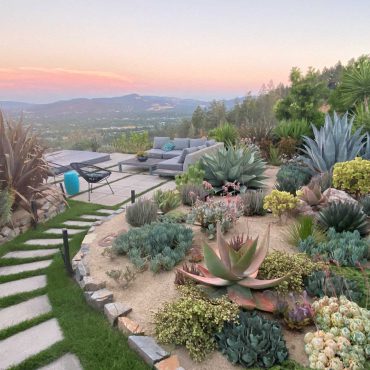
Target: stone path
16, 269
79, 223
43, 242
22, 285
92, 217
59, 231
66, 362
31, 253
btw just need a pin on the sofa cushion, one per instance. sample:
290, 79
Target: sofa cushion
181, 143
202, 147
159, 141
155, 153
210, 142
168, 146
170, 164
171, 154
197, 142
185, 152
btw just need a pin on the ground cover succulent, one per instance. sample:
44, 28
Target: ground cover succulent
193, 320
343, 216
252, 341
166, 200
238, 165
159, 245
144, 211
236, 270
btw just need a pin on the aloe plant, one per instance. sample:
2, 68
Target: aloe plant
312, 195
333, 143
236, 269
234, 165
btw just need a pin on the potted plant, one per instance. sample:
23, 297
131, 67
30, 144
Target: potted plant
141, 156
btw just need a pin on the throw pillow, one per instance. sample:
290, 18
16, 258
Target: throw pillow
168, 146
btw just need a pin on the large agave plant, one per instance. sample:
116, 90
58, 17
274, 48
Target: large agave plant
365, 153
22, 166
231, 165
333, 143
236, 269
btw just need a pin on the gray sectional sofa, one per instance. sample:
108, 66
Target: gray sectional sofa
185, 152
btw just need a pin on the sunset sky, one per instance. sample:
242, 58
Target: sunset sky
59, 49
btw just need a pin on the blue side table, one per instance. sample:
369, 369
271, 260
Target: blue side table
71, 182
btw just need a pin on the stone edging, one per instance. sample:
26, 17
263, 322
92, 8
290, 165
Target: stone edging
100, 298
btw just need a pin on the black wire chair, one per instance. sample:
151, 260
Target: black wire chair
92, 174
55, 169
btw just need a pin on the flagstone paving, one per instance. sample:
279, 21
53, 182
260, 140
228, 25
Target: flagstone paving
23, 311
106, 211
78, 223
31, 253
56, 231
29, 342
22, 285
92, 217
42, 242
24, 267
66, 362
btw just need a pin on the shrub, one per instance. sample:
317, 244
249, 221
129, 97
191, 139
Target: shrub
252, 201
288, 147
193, 320
174, 216
166, 200
274, 156
162, 245
326, 283
208, 213
352, 176
226, 133
279, 202
294, 129
343, 216
132, 142
144, 211
297, 266
191, 192
6, 203
302, 229
365, 203
234, 165
292, 176
193, 175
345, 248
252, 340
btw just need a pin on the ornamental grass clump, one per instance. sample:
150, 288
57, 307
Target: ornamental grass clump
193, 320
252, 341
353, 176
144, 211
190, 193
252, 201
295, 266
160, 245
365, 204
280, 203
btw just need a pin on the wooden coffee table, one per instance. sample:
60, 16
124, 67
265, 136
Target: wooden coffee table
150, 164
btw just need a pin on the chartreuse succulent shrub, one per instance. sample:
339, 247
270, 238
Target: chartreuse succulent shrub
352, 176
252, 201
234, 165
343, 338
279, 202
166, 200
193, 175
365, 203
193, 320
292, 176
345, 248
343, 216
332, 143
144, 211
303, 228
294, 266
236, 270
191, 192
252, 341
160, 245
326, 283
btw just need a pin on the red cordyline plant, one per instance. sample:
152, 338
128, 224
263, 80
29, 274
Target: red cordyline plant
236, 270
23, 168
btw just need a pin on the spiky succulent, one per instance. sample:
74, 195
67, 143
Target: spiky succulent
252, 341
332, 143
344, 216
365, 152
166, 200
234, 165
236, 270
312, 195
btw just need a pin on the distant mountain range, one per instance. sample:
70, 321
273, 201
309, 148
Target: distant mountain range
120, 108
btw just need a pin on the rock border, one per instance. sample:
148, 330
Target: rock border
102, 299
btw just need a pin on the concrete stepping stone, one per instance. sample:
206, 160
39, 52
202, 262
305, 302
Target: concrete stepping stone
42, 242
60, 231
30, 342
23, 311
66, 362
22, 285
93, 217
31, 253
16, 269
106, 211
78, 223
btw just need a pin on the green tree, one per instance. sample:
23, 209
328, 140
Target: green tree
198, 120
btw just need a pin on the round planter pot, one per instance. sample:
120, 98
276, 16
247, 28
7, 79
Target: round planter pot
142, 159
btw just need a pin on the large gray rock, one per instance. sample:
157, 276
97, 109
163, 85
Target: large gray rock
115, 310
147, 348
82, 270
99, 298
335, 195
22, 285
88, 283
